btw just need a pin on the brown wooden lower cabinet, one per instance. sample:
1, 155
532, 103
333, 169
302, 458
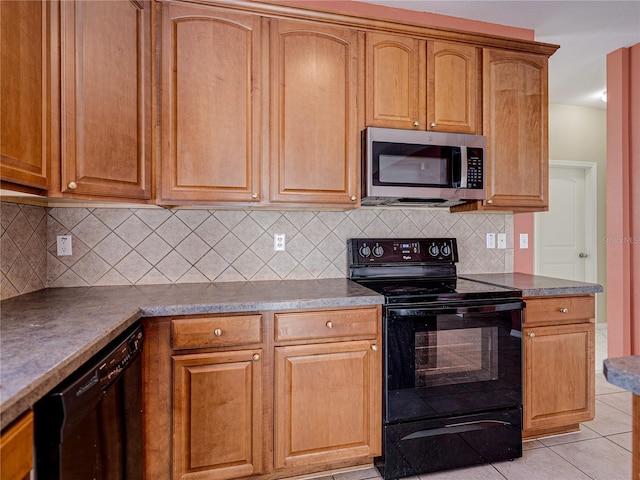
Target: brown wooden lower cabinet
217, 413
326, 398
16, 449
559, 368
261, 395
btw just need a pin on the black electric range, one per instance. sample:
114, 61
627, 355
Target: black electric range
452, 358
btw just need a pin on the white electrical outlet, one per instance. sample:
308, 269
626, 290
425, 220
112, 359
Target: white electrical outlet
524, 240
491, 240
63, 242
278, 242
502, 240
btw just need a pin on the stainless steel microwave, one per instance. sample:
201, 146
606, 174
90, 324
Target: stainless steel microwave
414, 168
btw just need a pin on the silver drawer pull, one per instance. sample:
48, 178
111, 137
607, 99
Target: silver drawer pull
563, 310
217, 332
531, 335
329, 324
374, 348
256, 357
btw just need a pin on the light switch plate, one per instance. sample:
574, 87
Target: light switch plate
491, 240
502, 240
524, 240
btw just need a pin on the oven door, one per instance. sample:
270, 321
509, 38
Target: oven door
452, 359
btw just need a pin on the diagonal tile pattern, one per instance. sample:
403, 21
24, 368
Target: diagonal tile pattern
114, 246
140, 246
23, 259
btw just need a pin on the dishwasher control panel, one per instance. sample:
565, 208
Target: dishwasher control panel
119, 358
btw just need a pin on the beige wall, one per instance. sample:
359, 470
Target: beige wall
579, 134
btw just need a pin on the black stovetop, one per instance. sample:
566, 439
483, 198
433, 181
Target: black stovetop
416, 270
418, 290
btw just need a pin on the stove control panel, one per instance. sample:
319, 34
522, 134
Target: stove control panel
367, 251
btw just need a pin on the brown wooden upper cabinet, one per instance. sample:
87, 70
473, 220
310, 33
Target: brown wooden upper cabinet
25, 93
453, 88
396, 93
515, 111
106, 99
423, 85
211, 94
315, 138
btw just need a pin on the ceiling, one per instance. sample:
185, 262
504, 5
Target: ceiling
585, 30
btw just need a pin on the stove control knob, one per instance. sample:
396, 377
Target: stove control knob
378, 251
434, 250
446, 250
365, 251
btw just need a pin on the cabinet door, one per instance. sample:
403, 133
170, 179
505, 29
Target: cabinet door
559, 376
24, 93
217, 415
515, 123
395, 81
327, 403
210, 105
314, 114
106, 98
453, 88
16, 449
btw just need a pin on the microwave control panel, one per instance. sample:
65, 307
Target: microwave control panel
474, 167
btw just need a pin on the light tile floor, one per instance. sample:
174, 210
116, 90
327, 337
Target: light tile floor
600, 451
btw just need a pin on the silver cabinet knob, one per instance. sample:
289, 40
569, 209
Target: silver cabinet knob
217, 332
254, 195
489, 201
353, 198
433, 124
583, 255
329, 324
72, 185
531, 335
256, 357
563, 310
374, 348
416, 123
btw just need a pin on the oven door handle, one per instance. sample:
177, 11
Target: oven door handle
457, 428
425, 310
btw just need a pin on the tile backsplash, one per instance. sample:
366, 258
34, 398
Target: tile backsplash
122, 246
23, 249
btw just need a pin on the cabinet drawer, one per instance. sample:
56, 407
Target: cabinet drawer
326, 324
558, 310
220, 331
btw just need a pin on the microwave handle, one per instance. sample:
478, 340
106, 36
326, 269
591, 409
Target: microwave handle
463, 167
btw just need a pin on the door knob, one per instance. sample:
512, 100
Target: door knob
583, 255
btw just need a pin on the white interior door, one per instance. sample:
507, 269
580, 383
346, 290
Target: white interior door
565, 235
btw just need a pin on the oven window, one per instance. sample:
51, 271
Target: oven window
446, 362
456, 356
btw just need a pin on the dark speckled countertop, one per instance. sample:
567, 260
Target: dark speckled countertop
536, 285
624, 372
46, 335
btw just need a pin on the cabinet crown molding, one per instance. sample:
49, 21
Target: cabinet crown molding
300, 12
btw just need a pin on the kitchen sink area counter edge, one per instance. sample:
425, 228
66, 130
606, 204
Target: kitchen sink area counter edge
536, 285
46, 335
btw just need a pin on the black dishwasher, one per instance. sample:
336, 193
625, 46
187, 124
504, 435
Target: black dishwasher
90, 426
